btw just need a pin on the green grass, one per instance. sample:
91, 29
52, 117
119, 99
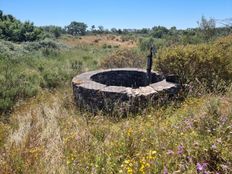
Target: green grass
46, 66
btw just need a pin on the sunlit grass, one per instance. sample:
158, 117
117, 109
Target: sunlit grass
49, 134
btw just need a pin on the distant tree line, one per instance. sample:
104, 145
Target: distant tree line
55, 31
14, 30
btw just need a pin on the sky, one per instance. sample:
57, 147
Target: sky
118, 13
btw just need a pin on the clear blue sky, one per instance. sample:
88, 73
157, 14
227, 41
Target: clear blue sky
118, 13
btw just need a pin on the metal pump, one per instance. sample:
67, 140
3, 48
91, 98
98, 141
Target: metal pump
149, 63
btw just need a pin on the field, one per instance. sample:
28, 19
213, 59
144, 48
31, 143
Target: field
104, 40
43, 131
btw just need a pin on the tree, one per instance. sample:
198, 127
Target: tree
76, 28
159, 32
114, 30
173, 30
10, 17
119, 31
100, 29
93, 28
14, 30
226, 22
1, 14
207, 27
144, 30
57, 32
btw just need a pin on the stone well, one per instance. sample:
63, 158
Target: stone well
120, 89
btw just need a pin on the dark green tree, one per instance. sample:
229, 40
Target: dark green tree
144, 30
14, 30
93, 28
1, 14
159, 32
57, 32
114, 30
76, 28
100, 29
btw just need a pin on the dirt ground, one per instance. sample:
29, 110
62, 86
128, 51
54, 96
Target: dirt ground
99, 40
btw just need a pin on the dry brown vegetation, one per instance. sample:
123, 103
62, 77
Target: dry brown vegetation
99, 40
48, 134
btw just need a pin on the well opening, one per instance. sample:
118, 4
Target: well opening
132, 79
124, 89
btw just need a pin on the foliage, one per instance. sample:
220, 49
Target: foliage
207, 64
55, 30
13, 30
190, 137
207, 27
28, 68
46, 47
100, 29
48, 133
16, 83
128, 37
159, 31
76, 28
124, 58
145, 43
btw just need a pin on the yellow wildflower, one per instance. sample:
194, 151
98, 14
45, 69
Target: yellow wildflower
68, 162
129, 132
153, 152
129, 170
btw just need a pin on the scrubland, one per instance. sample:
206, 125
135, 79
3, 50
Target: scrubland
43, 131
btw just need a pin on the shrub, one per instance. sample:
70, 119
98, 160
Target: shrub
146, 43
126, 38
44, 44
46, 47
52, 78
16, 83
207, 64
124, 58
10, 49
17, 31
105, 46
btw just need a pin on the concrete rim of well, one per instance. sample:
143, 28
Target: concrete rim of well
84, 80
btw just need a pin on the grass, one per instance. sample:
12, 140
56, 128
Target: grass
43, 68
47, 133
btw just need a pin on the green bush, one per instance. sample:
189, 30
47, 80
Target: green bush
10, 49
45, 47
16, 83
206, 64
52, 78
43, 44
14, 30
146, 43
124, 58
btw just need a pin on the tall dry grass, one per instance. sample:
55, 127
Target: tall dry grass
48, 134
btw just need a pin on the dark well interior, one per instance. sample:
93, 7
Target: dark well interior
133, 79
